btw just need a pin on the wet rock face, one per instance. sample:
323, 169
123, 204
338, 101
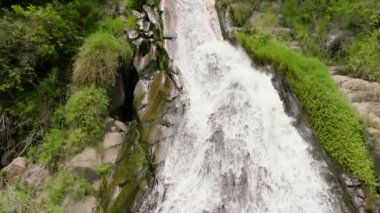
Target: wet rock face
156, 105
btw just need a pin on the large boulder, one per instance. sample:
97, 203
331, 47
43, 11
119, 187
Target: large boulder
85, 205
85, 164
15, 169
34, 175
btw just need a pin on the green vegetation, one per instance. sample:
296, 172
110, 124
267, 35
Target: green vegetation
64, 184
98, 60
83, 114
20, 197
358, 23
44, 45
241, 11
36, 48
335, 121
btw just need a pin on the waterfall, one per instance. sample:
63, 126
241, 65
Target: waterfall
236, 149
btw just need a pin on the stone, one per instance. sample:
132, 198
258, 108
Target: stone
114, 129
15, 169
108, 123
112, 139
356, 84
160, 151
357, 202
152, 16
110, 154
86, 205
133, 35
349, 181
156, 133
143, 62
335, 39
120, 125
141, 95
146, 26
360, 193
85, 164
118, 96
136, 14
140, 23
340, 79
34, 175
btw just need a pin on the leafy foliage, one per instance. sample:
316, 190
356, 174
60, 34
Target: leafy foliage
52, 148
358, 19
364, 56
337, 125
67, 185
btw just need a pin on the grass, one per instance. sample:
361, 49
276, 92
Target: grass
336, 123
21, 198
83, 116
98, 60
364, 57
240, 12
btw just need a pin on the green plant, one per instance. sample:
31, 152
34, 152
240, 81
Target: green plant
364, 56
336, 123
104, 169
114, 26
51, 149
85, 110
64, 185
240, 12
130, 23
16, 197
97, 60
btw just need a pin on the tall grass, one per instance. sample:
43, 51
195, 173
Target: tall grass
98, 60
336, 123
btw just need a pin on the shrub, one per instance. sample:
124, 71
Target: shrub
97, 60
240, 12
334, 120
54, 142
16, 198
86, 110
131, 22
64, 185
364, 57
114, 26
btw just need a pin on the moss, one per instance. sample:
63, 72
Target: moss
132, 168
158, 92
334, 120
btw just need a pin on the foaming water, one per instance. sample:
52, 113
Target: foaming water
236, 149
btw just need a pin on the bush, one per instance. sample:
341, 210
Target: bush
334, 120
64, 185
86, 110
240, 12
364, 57
131, 22
52, 148
98, 60
114, 26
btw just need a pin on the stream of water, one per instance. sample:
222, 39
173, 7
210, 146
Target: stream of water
236, 149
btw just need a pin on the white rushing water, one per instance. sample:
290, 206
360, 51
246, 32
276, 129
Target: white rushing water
236, 149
